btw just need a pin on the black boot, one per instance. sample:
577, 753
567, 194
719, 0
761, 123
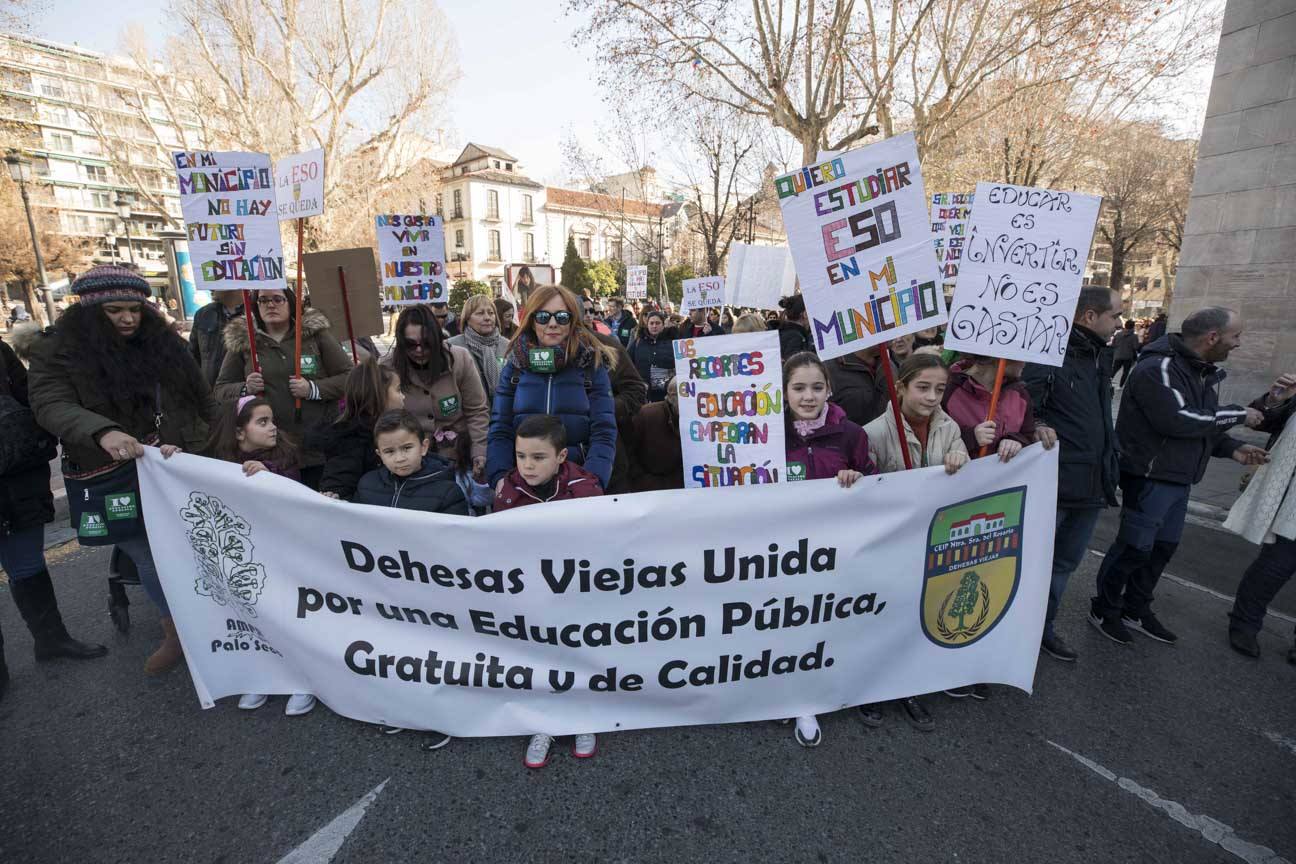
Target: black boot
39, 608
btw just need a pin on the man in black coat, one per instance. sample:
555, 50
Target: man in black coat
207, 336
1075, 400
620, 321
1170, 424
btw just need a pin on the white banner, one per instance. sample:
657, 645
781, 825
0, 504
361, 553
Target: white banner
1023, 267
299, 185
859, 233
949, 216
705, 292
411, 252
629, 611
637, 282
231, 220
731, 409
759, 275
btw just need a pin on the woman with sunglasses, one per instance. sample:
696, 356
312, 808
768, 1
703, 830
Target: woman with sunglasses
556, 366
442, 387
324, 367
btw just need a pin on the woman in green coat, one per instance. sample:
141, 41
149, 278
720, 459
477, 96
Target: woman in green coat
324, 369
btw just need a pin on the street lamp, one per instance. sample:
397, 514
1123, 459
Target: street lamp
111, 239
20, 169
123, 206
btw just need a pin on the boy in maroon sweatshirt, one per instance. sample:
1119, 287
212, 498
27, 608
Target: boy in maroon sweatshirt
543, 472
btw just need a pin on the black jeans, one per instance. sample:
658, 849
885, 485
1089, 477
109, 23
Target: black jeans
1152, 520
1124, 367
1262, 581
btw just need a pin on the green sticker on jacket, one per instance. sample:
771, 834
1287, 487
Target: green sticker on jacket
542, 360
92, 525
310, 365
121, 505
449, 405
796, 471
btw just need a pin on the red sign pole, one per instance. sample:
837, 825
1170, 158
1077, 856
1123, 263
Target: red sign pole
297, 340
251, 325
885, 361
346, 312
994, 400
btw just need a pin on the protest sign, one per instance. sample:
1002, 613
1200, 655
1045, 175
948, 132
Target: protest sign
299, 185
949, 215
412, 251
362, 295
517, 294
637, 282
861, 238
706, 292
1023, 267
759, 275
731, 409
620, 612
231, 220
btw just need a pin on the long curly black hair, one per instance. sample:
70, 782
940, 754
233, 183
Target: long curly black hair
127, 370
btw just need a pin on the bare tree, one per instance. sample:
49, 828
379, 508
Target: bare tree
18, 259
718, 158
282, 76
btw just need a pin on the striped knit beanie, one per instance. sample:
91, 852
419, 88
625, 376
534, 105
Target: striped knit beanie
110, 284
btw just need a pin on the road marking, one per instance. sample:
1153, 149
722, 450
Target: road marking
1281, 741
1188, 583
1212, 829
325, 843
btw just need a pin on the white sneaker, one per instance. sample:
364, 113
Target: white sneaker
585, 746
299, 704
807, 732
537, 752
252, 701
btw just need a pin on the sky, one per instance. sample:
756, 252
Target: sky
512, 53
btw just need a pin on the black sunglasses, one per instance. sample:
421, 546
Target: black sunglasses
563, 318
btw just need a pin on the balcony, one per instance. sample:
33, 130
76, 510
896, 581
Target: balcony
526, 219
456, 214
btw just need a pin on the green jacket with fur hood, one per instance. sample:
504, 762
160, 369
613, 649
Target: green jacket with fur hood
323, 362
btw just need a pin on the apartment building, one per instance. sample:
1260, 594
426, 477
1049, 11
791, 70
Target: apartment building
81, 116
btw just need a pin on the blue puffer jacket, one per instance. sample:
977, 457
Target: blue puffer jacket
579, 394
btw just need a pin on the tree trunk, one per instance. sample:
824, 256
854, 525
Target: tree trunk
34, 304
1118, 267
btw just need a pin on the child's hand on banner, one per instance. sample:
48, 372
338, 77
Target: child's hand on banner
954, 461
252, 466
1008, 448
846, 478
169, 450
1046, 436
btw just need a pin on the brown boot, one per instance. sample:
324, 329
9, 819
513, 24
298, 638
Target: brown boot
168, 655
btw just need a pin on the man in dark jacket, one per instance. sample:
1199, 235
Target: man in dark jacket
629, 392
620, 321
858, 384
1075, 399
207, 336
1170, 424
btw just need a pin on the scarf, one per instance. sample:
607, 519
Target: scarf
1268, 506
805, 427
484, 350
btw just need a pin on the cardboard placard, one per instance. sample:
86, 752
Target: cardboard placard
363, 293
949, 217
705, 292
412, 248
299, 185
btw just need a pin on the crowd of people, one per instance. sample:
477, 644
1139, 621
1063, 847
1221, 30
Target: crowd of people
488, 408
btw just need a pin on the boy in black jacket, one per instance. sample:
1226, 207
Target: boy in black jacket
411, 478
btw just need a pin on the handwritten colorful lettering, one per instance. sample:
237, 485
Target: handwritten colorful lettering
412, 251
949, 215
231, 221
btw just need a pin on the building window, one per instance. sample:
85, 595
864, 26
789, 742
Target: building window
105, 224
458, 205
54, 91
528, 246
583, 246
101, 200
97, 173
528, 209
61, 141
41, 166
439, 212
492, 204
495, 252
497, 164
617, 248
459, 238
508, 166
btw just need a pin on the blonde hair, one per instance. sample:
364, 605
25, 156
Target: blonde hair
749, 323
579, 336
475, 302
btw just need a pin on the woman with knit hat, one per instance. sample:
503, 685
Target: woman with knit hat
108, 379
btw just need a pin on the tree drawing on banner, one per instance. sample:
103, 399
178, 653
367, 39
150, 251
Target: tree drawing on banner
965, 600
222, 546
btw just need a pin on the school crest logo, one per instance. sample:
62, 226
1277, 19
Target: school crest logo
222, 547
973, 567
